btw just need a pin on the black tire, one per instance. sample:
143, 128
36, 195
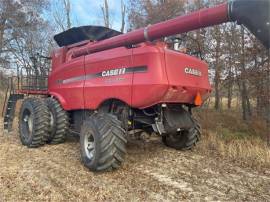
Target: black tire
108, 142
34, 122
184, 140
59, 122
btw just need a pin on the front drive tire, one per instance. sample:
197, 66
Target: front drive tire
103, 142
59, 122
34, 123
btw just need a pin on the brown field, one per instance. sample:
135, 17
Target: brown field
151, 172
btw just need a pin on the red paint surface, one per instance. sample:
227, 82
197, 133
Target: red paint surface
100, 89
70, 94
164, 81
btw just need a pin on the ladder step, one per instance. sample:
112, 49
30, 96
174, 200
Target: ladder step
10, 108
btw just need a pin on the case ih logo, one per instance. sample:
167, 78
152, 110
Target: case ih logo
114, 72
107, 73
192, 71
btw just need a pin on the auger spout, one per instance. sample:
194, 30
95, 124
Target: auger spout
253, 14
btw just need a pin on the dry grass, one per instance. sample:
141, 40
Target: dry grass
217, 170
151, 172
248, 152
230, 124
223, 103
228, 137
1, 101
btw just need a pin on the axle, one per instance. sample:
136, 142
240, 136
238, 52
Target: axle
234, 10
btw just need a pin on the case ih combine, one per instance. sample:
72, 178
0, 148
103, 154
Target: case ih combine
103, 84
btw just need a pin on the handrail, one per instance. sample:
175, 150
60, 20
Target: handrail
29, 83
5, 100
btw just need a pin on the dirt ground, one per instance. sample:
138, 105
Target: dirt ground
151, 172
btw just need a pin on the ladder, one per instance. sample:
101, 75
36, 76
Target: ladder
10, 110
9, 107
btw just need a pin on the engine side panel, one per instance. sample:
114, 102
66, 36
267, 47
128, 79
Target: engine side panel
109, 75
150, 86
66, 83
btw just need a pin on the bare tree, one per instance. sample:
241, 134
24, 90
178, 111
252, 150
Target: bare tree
106, 14
142, 13
246, 106
17, 18
217, 65
123, 13
67, 10
61, 13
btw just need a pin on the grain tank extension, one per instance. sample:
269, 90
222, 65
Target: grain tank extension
104, 85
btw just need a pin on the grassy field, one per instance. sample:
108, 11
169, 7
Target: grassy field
1, 99
151, 172
226, 135
247, 152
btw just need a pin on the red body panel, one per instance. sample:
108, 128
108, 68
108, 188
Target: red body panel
98, 89
184, 87
149, 87
68, 92
141, 77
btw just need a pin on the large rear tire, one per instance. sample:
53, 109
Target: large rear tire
34, 123
183, 140
59, 122
103, 142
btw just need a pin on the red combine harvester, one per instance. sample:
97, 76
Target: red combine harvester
103, 84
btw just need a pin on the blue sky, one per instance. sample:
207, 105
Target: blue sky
88, 12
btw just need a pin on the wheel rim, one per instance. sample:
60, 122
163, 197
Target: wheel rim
28, 122
89, 146
179, 136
